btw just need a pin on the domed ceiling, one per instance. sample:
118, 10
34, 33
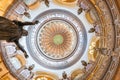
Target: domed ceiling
74, 40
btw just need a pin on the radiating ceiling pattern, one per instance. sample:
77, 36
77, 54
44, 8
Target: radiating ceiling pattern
74, 40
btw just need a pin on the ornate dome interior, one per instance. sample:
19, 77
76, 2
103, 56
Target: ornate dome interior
74, 40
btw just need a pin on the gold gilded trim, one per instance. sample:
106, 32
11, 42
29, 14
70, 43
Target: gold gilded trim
46, 74
67, 3
34, 5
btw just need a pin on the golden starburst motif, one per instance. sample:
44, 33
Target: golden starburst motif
57, 39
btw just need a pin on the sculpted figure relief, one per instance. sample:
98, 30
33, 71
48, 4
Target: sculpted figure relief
12, 31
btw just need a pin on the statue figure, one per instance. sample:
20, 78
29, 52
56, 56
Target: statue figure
83, 5
80, 10
31, 67
27, 14
24, 69
91, 30
11, 31
23, 11
86, 65
46, 2
96, 29
65, 77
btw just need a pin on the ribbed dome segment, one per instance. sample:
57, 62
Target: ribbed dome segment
57, 39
